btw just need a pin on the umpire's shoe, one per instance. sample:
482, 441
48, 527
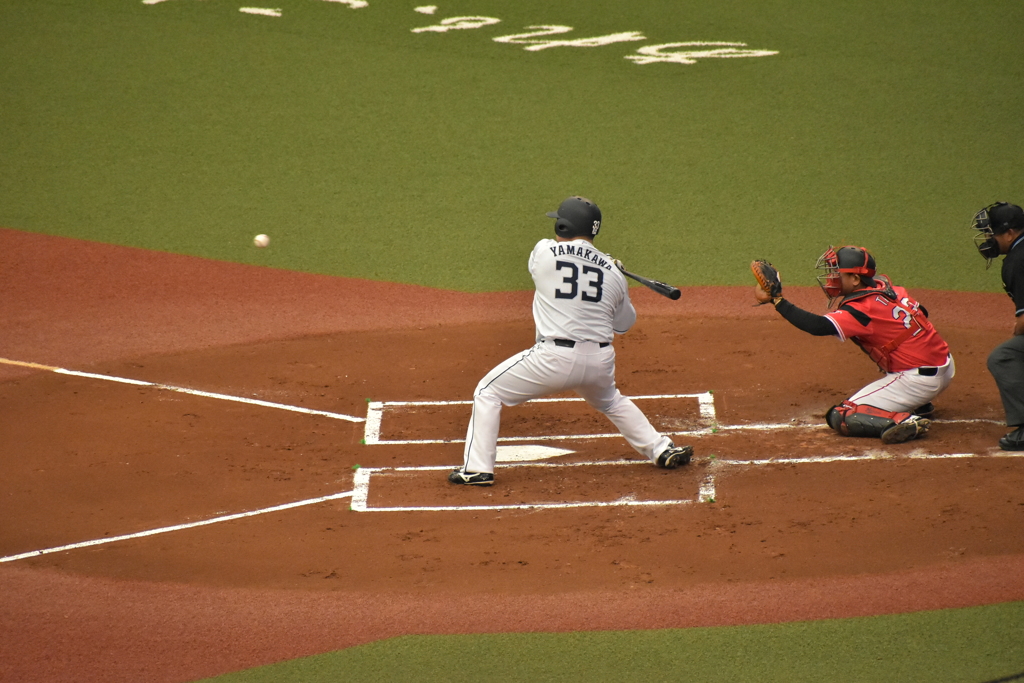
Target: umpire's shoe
1014, 441
911, 428
471, 478
674, 456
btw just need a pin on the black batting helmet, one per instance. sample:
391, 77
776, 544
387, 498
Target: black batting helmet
577, 217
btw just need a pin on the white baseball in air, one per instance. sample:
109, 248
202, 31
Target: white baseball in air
261, 240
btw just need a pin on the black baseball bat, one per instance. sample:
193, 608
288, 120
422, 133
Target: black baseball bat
659, 287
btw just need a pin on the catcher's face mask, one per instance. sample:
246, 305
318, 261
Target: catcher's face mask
985, 239
849, 259
830, 281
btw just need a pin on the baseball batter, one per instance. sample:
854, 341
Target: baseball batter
581, 301
887, 324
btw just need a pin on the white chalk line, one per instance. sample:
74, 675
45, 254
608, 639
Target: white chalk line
704, 431
879, 456
706, 492
176, 527
184, 390
375, 410
566, 399
361, 491
514, 439
528, 506
375, 418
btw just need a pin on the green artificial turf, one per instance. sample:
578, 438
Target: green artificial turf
367, 150
958, 645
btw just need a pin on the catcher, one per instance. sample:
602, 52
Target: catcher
887, 324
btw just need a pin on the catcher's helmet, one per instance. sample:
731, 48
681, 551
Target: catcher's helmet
850, 259
855, 260
577, 217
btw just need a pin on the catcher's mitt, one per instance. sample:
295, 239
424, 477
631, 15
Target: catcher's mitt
767, 278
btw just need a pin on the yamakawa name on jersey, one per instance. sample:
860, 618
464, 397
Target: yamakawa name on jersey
586, 253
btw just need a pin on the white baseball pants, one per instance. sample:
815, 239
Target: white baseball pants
903, 392
545, 369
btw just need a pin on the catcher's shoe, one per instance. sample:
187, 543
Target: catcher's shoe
674, 456
911, 428
927, 410
471, 478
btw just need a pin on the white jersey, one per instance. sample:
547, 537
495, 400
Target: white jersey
581, 300
580, 294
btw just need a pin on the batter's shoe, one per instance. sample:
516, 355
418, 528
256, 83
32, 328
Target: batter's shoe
911, 428
471, 478
927, 410
674, 457
1014, 441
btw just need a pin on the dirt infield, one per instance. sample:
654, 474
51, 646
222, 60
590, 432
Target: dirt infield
791, 522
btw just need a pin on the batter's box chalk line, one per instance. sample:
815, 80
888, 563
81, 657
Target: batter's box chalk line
706, 493
363, 475
376, 410
359, 495
375, 413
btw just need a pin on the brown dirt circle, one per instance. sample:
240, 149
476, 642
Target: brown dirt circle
88, 459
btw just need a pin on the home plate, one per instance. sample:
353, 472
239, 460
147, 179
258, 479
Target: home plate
527, 453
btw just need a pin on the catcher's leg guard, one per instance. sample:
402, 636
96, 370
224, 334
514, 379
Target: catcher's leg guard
851, 419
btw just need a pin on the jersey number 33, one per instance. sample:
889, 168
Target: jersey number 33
592, 287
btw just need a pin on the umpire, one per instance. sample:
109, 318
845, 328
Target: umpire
1000, 229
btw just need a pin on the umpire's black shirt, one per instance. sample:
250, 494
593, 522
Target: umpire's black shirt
1013, 274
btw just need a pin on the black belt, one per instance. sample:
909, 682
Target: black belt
928, 372
569, 343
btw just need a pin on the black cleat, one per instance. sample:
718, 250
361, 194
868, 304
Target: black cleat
674, 457
471, 478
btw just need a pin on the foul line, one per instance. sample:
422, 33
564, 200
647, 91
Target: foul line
177, 527
183, 390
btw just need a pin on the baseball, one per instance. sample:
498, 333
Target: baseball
261, 240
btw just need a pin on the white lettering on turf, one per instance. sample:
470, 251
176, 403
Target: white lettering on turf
457, 23
650, 54
537, 39
354, 4
265, 11
535, 45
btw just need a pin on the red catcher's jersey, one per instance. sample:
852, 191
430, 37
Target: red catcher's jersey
889, 321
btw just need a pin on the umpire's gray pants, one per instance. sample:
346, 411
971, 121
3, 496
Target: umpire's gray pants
1006, 363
